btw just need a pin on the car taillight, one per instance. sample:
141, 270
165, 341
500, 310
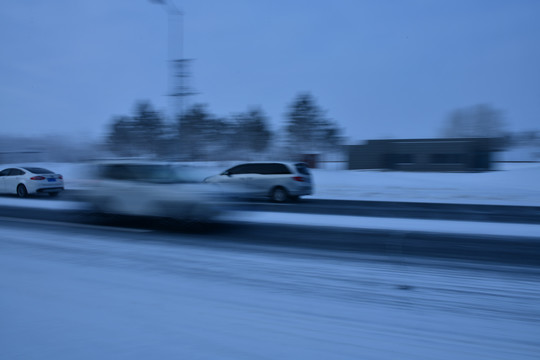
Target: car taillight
37, 178
299, 178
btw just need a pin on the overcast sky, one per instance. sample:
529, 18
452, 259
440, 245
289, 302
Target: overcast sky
380, 68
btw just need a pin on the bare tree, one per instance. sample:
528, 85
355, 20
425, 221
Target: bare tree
480, 120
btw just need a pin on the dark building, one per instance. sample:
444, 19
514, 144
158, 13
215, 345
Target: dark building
453, 154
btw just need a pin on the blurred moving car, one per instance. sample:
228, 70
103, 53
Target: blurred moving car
279, 181
30, 180
154, 189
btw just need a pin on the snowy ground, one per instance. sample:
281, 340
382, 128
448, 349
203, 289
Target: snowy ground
88, 293
513, 184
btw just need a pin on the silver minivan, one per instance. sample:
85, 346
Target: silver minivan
279, 181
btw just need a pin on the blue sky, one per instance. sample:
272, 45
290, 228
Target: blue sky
379, 68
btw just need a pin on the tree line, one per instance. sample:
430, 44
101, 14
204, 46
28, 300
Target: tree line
200, 135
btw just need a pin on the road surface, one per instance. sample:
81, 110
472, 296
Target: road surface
81, 291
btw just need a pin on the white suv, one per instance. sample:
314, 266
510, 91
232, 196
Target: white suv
156, 189
280, 181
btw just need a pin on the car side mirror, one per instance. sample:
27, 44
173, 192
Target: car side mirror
226, 173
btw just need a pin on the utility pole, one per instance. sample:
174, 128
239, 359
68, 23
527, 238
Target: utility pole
178, 73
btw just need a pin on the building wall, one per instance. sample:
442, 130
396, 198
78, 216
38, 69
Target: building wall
423, 155
369, 156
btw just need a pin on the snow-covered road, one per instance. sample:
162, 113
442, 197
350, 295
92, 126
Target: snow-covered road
92, 293
74, 291
355, 222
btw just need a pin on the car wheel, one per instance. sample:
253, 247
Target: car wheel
21, 191
53, 194
279, 195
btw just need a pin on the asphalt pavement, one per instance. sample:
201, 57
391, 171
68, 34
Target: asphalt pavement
399, 209
480, 248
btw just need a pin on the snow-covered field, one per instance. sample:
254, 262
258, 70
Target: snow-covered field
513, 184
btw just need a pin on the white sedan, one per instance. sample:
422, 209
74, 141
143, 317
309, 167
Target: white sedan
30, 180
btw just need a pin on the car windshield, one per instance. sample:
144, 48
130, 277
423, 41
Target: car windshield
36, 170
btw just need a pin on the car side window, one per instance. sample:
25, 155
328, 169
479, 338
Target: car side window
15, 172
239, 169
258, 168
232, 171
254, 169
282, 169
275, 169
5, 172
